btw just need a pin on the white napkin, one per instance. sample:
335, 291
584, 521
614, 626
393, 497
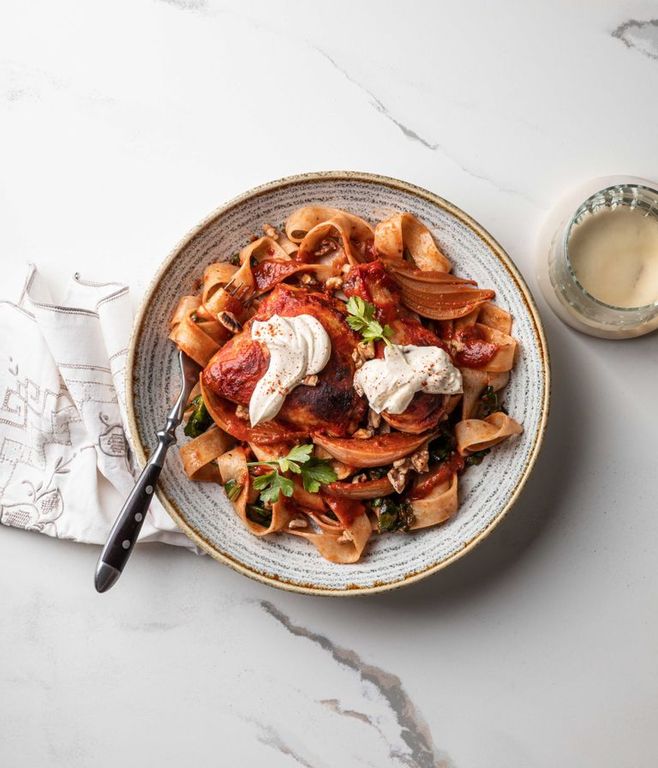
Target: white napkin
62, 412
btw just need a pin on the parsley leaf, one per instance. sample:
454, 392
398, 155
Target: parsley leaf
362, 319
300, 454
314, 472
317, 472
271, 485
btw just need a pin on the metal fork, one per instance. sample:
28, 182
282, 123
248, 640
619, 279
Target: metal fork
123, 536
239, 291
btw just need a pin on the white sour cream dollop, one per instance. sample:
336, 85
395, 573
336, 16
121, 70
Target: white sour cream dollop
390, 382
298, 346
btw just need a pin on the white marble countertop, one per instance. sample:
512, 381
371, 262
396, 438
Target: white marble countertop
121, 125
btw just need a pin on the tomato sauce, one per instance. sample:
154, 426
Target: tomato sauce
440, 474
235, 376
473, 350
371, 282
269, 272
346, 510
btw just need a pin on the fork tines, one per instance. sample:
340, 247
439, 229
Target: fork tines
238, 291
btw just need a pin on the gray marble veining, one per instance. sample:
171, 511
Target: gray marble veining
414, 730
640, 35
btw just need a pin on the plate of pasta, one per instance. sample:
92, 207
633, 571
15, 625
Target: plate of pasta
373, 383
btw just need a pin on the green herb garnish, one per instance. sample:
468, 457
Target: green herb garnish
490, 403
393, 516
442, 446
199, 420
317, 472
473, 459
233, 489
314, 473
271, 485
362, 319
260, 515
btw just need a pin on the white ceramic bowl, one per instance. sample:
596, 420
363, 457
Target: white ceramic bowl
486, 492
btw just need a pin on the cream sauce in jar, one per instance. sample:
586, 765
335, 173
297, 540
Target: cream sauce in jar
614, 255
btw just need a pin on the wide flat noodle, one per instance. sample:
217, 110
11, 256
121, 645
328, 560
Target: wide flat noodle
214, 277
198, 456
403, 234
347, 244
302, 221
503, 360
263, 248
186, 306
458, 324
217, 332
438, 506
306, 499
479, 434
269, 452
346, 546
189, 336
474, 382
233, 466
221, 301
495, 317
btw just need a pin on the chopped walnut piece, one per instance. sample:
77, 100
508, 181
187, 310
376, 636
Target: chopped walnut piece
345, 268
358, 361
374, 419
420, 460
242, 412
366, 350
311, 380
269, 231
360, 478
345, 537
398, 478
307, 279
229, 321
298, 522
405, 462
333, 283
327, 245
364, 433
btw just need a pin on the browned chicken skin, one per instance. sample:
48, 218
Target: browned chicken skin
331, 405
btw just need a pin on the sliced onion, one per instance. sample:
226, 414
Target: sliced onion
437, 295
372, 452
370, 489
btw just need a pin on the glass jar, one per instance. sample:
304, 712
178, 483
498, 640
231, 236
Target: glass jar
560, 285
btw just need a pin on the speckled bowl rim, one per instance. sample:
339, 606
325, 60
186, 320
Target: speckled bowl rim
300, 180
